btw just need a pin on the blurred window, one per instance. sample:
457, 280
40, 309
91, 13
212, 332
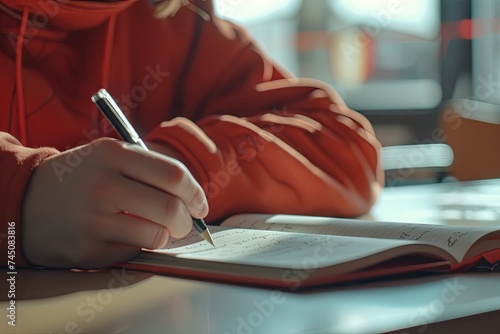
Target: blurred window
378, 54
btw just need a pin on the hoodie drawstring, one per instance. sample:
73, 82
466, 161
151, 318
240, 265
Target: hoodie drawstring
21, 108
108, 47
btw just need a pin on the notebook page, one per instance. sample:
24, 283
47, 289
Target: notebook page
276, 249
454, 239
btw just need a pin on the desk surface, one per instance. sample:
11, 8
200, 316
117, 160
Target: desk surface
476, 203
118, 301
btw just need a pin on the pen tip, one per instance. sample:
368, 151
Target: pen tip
207, 236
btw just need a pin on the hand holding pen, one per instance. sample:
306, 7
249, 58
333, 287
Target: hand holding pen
110, 109
99, 203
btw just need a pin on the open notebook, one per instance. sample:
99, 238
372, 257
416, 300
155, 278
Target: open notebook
296, 252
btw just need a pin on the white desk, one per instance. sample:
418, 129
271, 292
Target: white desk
134, 302
467, 203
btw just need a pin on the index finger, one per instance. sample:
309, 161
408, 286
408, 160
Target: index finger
164, 173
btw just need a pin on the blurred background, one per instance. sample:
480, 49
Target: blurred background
425, 72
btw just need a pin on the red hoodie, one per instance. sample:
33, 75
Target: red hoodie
257, 139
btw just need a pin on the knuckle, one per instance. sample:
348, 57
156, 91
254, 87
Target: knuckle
177, 174
105, 146
182, 183
104, 141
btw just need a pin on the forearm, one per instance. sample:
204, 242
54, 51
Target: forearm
278, 164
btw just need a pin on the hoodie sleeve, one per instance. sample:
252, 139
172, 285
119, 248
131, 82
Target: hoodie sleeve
17, 163
264, 141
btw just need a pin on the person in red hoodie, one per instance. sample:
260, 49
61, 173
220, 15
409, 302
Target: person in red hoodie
231, 129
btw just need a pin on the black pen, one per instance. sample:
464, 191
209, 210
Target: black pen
117, 118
